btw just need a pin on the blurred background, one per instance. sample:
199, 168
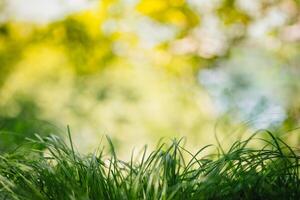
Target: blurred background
141, 70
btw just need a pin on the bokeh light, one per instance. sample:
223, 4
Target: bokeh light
140, 70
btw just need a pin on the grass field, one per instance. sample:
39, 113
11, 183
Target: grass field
48, 168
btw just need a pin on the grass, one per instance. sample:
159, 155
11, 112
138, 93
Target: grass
51, 169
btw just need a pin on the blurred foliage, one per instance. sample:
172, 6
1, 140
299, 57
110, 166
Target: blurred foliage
14, 130
131, 68
175, 12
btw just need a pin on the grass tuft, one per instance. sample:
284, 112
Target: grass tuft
169, 172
